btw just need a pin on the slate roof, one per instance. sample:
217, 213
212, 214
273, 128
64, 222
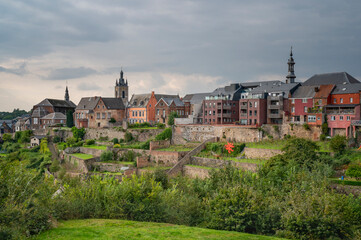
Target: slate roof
56, 103
232, 91
304, 92
195, 97
324, 91
256, 84
176, 101
113, 103
330, 78
285, 88
38, 137
347, 88
159, 96
39, 112
139, 100
55, 116
87, 103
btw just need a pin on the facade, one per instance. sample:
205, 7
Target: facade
121, 89
48, 106
165, 106
99, 112
193, 107
35, 140
141, 107
5, 126
300, 102
320, 100
22, 124
53, 119
222, 105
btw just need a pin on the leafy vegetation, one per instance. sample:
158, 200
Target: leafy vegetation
78, 133
11, 115
171, 117
99, 147
165, 135
83, 155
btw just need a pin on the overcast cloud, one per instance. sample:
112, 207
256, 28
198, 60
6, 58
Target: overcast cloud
168, 46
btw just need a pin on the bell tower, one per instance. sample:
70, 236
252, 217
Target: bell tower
121, 88
290, 78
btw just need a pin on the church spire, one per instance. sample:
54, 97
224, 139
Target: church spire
66, 98
290, 78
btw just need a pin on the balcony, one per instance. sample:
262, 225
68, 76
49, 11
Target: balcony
244, 106
275, 106
356, 123
275, 115
226, 115
314, 110
224, 107
244, 115
279, 98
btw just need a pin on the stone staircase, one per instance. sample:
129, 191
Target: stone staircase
176, 169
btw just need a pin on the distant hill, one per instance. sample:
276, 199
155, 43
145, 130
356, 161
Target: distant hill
11, 115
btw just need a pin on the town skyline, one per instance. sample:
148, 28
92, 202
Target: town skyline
166, 47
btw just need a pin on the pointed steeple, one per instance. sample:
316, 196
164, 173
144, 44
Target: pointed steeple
66, 98
290, 78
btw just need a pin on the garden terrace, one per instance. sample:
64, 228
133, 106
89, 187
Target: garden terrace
99, 147
279, 144
83, 156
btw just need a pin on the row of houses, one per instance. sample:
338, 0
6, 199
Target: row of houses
331, 97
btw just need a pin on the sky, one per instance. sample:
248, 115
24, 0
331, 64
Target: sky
168, 46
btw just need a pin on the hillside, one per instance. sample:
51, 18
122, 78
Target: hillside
121, 229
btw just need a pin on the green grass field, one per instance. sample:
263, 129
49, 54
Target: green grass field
278, 144
83, 155
347, 181
121, 229
245, 160
155, 168
100, 147
202, 167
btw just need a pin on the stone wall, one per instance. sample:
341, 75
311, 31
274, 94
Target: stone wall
91, 151
141, 134
165, 158
153, 145
77, 164
258, 153
297, 130
143, 161
194, 172
110, 167
216, 163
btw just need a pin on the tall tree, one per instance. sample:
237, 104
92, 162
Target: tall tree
69, 118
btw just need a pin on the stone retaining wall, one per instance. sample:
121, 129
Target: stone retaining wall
78, 164
154, 145
194, 172
91, 151
110, 167
141, 134
216, 163
165, 158
258, 153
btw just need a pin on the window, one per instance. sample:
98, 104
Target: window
348, 118
61, 121
304, 100
35, 120
351, 100
205, 105
163, 113
305, 109
255, 104
341, 100
250, 104
98, 115
293, 109
341, 118
320, 102
255, 112
311, 118
157, 111
250, 113
205, 113
255, 121
334, 100
109, 115
250, 122
333, 118
210, 112
103, 115
103, 107
133, 113
293, 101
150, 105
214, 112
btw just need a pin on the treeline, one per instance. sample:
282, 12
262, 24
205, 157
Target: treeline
290, 197
11, 115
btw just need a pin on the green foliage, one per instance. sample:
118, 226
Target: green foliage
323, 137
106, 156
69, 119
171, 117
7, 137
306, 126
161, 177
128, 156
90, 142
115, 141
56, 139
354, 171
324, 126
338, 144
161, 125
128, 137
55, 166
220, 149
44, 146
276, 128
11, 115
112, 120
78, 133
165, 135
23, 136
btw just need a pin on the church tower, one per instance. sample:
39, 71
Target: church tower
290, 78
121, 88
66, 97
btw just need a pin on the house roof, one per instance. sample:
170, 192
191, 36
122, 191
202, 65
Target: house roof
324, 91
304, 92
281, 87
113, 103
347, 88
56, 103
195, 97
39, 112
55, 116
139, 100
340, 105
38, 136
87, 103
176, 101
330, 78
260, 83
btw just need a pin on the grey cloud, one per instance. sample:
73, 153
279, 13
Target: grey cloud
21, 70
70, 73
88, 87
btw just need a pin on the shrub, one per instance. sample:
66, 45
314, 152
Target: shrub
306, 127
165, 135
56, 139
106, 156
7, 137
116, 145
115, 140
90, 142
112, 120
103, 138
323, 137
128, 137
292, 125
161, 125
338, 144
354, 171
78, 133
276, 128
55, 166
145, 125
171, 117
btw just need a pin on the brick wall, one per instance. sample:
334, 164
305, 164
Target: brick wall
159, 144
143, 161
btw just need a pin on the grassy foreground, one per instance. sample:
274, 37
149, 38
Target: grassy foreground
122, 229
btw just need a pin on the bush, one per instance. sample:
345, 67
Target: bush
90, 142
78, 133
306, 127
276, 128
145, 125
161, 125
116, 146
165, 135
323, 137
56, 139
106, 156
171, 117
128, 137
338, 144
112, 120
7, 137
55, 166
115, 140
354, 171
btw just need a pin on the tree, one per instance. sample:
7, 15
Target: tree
78, 133
7, 137
69, 118
325, 126
338, 144
44, 146
354, 171
171, 117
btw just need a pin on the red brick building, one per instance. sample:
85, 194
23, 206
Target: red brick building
167, 105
